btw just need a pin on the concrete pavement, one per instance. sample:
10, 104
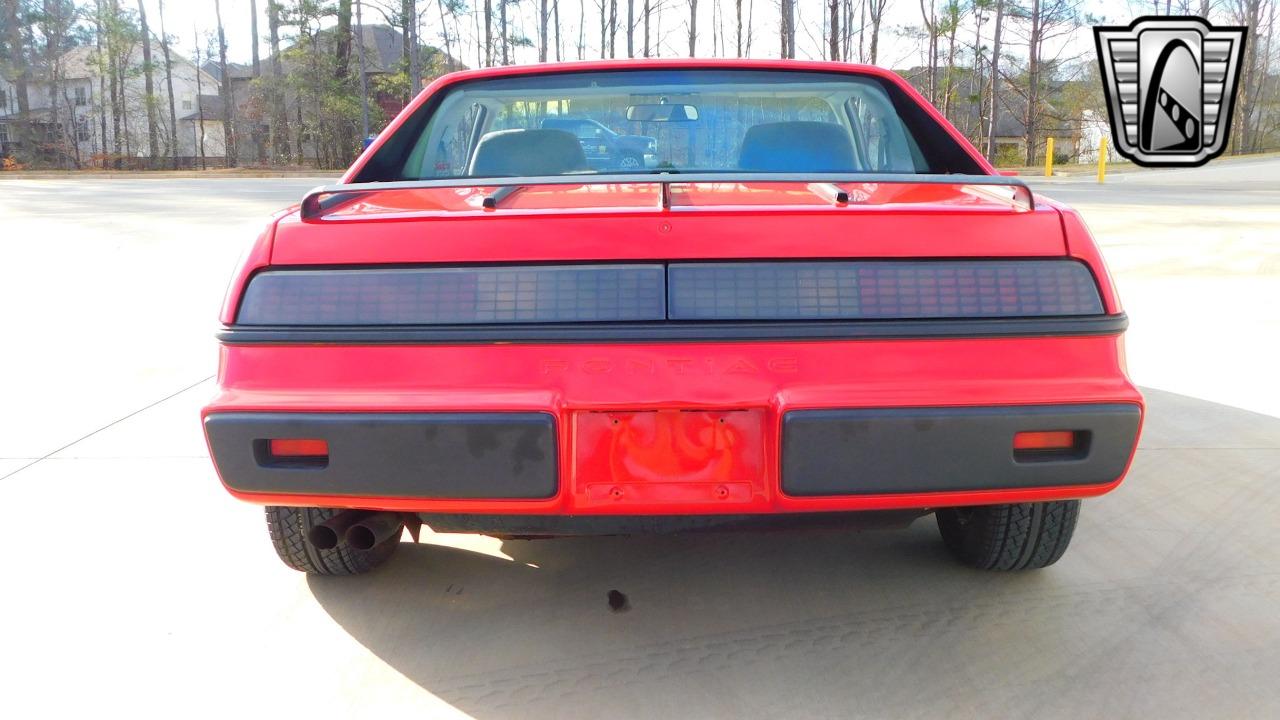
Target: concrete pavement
135, 584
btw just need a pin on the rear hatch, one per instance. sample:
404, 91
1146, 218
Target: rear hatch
681, 221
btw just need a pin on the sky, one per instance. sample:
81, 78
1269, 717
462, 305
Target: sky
898, 50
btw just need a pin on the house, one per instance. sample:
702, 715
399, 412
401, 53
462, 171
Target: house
251, 98
72, 122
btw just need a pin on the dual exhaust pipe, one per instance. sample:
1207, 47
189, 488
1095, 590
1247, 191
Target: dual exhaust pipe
361, 529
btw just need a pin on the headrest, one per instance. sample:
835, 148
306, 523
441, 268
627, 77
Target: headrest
798, 146
527, 153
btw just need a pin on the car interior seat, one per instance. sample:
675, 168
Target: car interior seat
797, 146
528, 153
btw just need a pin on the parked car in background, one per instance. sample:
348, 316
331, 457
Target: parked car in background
604, 148
825, 307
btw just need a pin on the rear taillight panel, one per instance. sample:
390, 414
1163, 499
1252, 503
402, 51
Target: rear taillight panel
675, 292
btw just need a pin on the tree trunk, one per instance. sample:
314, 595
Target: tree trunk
833, 8
543, 12
225, 90
631, 28
102, 82
506, 34
199, 94
738, 38
113, 68
413, 47
168, 86
148, 78
995, 83
23, 136
1031, 119
613, 28
954, 25
253, 28
555, 12
488, 32
444, 32
342, 43
693, 27
280, 117
648, 14
783, 21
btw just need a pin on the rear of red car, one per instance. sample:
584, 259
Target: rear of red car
502, 343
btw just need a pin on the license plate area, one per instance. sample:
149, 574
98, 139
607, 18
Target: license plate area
664, 460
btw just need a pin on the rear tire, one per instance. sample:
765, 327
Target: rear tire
289, 527
1025, 536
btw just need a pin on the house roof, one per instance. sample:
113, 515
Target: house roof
237, 71
208, 108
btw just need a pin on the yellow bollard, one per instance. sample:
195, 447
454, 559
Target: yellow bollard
1048, 157
1102, 159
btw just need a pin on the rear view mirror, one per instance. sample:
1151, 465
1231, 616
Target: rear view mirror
662, 113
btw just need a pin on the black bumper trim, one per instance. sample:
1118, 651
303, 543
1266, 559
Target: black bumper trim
924, 450
679, 331
421, 455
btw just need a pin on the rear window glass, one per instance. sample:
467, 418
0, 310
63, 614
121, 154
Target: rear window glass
670, 120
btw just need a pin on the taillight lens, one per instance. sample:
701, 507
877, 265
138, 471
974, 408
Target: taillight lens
881, 290
454, 296
721, 291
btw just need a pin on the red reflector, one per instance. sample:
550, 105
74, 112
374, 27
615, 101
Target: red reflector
1045, 440
299, 448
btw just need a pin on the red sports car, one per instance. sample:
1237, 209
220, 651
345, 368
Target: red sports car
820, 304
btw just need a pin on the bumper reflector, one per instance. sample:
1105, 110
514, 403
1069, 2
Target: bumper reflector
1045, 440
284, 449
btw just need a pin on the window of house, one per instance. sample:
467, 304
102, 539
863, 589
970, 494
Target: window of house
186, 103
4, 99
82, 96
82, 130
4, 133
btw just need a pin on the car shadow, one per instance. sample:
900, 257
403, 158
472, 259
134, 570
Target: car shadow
815, 622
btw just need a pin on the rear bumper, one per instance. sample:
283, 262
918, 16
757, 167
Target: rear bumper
685, 429
825, 453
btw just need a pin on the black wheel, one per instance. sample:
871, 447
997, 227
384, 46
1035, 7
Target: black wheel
1025, 536
289, 527
630, 162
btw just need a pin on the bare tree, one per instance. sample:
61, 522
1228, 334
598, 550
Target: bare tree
199, 94
994, 115
543, 13
148, 79
631, 28
693, 27
488, 32
555, 12
278, 131
648, 14
613, 28
168, 85
833, 29
17, 50
787, 28
875, 10
253, 30
224, 89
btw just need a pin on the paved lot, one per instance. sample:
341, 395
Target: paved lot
133, 584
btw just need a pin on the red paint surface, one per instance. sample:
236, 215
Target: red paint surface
669, 453
580, 384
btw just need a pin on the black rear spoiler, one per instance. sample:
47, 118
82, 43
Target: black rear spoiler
326, 197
